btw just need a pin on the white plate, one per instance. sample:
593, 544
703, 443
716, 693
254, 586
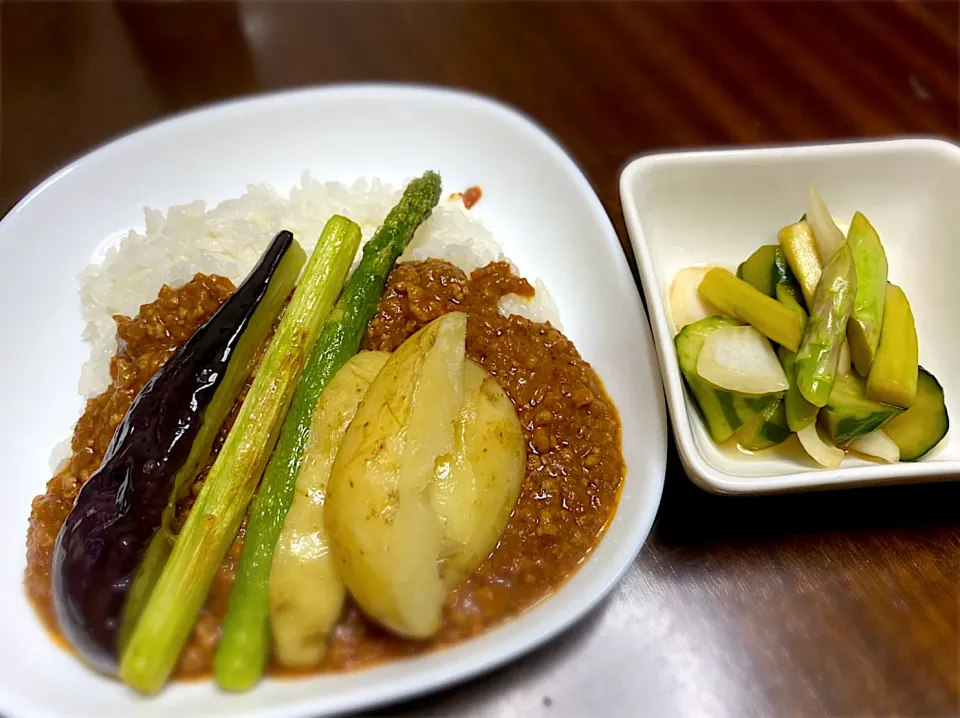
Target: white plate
717, 207
535, 200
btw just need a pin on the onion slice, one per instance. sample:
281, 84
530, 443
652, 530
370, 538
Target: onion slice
876, 445
843, 364
822, 452
825, 231
686, 304
741, 359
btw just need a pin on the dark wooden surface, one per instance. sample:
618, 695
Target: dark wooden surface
841, 603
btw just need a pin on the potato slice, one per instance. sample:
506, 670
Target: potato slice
306, 591
384, 531
477, 486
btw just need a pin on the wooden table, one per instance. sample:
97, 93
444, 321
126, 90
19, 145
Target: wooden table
818, 604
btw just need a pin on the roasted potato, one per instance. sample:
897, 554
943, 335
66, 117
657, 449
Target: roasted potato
306, 591
477, 487
385, 533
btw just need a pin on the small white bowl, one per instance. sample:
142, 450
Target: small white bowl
716, 207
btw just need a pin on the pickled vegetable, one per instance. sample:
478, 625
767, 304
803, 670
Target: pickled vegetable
723, 411
741, 359
819, 355
849, 413
863, 331
828, 236
844, 365
741, 301
876, 445
766, 429
116, 539
921, 427
799, 412
791, 302
823, 452
686, 304
786, 281
760, 269
800, 249
893, 375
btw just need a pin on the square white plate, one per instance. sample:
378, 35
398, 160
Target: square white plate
717, 207
539, 206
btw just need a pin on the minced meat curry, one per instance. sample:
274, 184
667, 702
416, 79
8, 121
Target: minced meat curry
572, 479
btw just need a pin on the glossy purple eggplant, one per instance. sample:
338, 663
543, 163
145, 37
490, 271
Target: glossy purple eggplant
116, 539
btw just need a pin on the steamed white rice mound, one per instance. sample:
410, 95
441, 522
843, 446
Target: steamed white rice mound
229, 239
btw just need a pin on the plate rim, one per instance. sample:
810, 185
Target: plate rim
434, 678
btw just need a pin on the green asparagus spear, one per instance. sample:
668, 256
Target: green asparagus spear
863, 331
244, 646
212, 524
820, 350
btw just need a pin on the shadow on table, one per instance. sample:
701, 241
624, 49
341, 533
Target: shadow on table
690, 516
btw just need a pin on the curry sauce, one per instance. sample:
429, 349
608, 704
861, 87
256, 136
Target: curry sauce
574, 466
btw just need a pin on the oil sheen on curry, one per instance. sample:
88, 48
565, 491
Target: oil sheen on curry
321, 469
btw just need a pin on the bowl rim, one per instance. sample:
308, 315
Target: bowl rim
421, 674
681, 409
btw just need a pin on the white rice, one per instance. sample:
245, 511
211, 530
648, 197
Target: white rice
229, 239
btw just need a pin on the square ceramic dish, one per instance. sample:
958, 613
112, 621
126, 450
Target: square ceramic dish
535, 201
717, 207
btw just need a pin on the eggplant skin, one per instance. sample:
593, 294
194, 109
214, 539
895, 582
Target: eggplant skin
120, 508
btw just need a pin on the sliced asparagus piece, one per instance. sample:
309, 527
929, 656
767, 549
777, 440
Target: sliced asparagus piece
820, 351
742, 301
893, 375
800, 249
863, 331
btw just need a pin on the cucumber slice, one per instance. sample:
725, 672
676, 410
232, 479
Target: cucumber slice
723, 411
848, 412
760, 269
768, 271
766, 429
786, 281
921, 427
